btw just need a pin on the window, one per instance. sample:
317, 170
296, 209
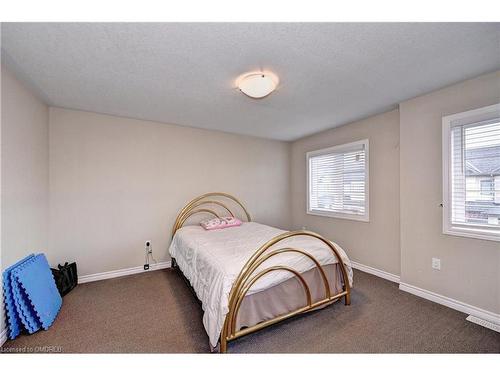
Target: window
338, 181
488, 188
471, 173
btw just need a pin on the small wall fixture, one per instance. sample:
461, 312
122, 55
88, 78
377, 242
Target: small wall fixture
257, 84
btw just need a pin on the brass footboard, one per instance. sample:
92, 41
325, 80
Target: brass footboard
247, 278
248, 275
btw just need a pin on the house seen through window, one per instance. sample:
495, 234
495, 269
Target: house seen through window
472, 185
480, 201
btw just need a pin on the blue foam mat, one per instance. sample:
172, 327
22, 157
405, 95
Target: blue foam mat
23, 306
13, 319
32, 300
36, 279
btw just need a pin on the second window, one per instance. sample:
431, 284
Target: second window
337, 181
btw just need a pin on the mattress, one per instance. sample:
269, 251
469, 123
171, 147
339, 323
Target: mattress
212, 260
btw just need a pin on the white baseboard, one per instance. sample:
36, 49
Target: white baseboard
375, 271
122, 272
477, 315
452, 303
3, 337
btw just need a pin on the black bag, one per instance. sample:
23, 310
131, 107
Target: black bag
66, 277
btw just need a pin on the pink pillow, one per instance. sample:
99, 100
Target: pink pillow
220, 223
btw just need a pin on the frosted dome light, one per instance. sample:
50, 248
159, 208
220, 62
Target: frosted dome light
257, 85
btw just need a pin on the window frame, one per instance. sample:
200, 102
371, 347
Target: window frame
335, 149
478, 231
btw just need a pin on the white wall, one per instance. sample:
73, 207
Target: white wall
470, 268
375, 243
25, 172
117, 182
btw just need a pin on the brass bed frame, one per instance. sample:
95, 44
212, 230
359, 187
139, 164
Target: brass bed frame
246, 278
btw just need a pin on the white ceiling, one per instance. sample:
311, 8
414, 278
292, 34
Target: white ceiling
182, 73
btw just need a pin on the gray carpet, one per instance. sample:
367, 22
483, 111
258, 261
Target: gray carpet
156, 312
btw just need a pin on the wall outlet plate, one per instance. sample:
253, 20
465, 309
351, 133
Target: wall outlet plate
436, 263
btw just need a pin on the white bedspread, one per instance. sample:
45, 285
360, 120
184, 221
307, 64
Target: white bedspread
212, 260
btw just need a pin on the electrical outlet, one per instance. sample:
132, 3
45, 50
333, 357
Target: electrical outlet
436, 263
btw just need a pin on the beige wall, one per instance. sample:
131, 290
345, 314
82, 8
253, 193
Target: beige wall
117, 182
25, 173
470, 268
24, 169
375, 243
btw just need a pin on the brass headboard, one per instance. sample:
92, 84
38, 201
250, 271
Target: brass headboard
197, 205
251, 273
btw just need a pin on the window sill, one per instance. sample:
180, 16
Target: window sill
480, 234
336, 215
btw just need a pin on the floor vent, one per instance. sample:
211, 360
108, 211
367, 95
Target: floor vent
484, 323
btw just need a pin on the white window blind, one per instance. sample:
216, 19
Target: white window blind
472, 189
338, 181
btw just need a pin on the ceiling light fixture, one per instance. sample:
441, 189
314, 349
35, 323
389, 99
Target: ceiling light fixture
257, 85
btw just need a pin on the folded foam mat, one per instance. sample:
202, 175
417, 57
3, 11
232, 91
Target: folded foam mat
24, 308
32, 300
37, 281
13, 317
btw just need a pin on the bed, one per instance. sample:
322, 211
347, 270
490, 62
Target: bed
251, 276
